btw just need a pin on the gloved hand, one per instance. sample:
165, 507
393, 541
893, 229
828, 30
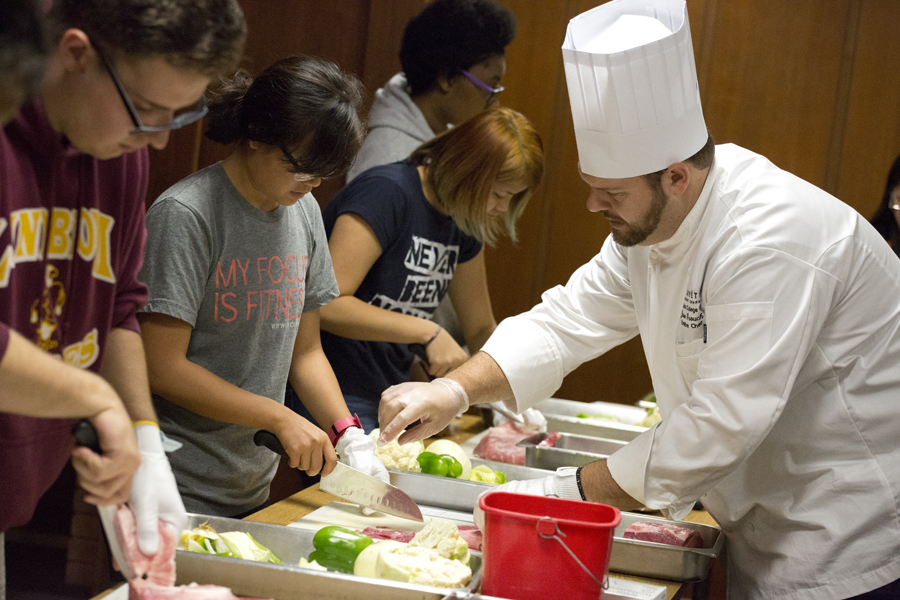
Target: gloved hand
434, 404
561, 484
154, 495
358, 450
532, 417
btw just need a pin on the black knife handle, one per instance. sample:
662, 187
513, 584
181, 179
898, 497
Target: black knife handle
419, 351
86, 435
269, 440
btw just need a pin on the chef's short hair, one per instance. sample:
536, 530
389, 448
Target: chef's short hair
463, 163
23, 52
304, 105
449, 36
702, 159
204, 36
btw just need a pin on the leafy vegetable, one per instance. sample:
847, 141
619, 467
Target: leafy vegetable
242, 545
651, 397
600, 416
485, 474
651, 419
235, 544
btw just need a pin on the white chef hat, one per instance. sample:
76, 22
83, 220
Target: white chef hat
633, 87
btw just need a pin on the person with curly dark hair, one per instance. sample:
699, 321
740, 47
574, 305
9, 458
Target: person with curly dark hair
887, 218
74, 168
238, 269
453, 56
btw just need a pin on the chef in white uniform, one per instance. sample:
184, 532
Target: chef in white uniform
769, 312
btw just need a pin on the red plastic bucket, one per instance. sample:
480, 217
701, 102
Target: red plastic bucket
525, 554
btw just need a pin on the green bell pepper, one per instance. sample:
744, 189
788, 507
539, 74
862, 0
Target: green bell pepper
442, 465
336, 548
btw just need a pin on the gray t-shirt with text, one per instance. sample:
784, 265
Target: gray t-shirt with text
241, 278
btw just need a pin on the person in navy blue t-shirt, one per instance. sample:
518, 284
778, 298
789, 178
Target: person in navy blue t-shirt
405, 234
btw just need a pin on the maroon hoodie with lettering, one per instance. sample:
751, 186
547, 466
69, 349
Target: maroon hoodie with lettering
71, 245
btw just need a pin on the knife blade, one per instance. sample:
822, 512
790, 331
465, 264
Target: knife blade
353, 485
86, 435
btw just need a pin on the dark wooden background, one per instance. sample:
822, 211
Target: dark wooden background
811, 84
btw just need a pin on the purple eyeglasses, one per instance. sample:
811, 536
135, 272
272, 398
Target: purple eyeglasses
480, 84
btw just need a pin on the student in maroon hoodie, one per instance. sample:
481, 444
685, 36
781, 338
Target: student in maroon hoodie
73, 178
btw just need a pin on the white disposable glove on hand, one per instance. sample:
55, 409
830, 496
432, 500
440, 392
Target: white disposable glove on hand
561, 484
532, 417
434, 404
358, 450
154, 495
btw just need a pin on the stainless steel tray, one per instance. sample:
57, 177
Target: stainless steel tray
661, 561
561, 416
570, 450
440, 492
288, 581
456, 494
512, 472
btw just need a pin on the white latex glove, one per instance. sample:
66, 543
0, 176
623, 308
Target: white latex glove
532, 417
434, 404
358, 450
561, 484
154, 495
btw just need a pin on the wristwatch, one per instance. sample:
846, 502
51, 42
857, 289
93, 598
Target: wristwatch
342, 425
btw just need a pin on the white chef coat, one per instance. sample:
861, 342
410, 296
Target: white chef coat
771, 326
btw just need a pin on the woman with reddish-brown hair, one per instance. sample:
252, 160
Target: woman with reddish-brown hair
403, 235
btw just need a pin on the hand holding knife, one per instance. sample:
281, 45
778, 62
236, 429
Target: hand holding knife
348, 483
86, 435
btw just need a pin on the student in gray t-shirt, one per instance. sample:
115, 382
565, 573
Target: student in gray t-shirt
237, 266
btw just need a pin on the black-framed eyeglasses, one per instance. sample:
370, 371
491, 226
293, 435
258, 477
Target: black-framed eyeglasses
299, 175
895, 199
180, 120
482, 85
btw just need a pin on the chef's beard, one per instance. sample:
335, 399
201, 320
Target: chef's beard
632, 235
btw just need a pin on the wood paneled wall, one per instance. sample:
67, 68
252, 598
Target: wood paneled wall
811, 84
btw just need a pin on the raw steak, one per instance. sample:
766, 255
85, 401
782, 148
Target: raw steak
159, 568
472, 535
664, 533
500, 444
140, 589
550, 440
381, 533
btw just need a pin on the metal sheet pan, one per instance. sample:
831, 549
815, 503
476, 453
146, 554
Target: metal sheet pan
456, 494
288, 582
561, 417
440, 492
570, 450
661, 561
512, 472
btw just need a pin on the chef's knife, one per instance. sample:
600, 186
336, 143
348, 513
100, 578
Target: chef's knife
86, 435
348, 483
